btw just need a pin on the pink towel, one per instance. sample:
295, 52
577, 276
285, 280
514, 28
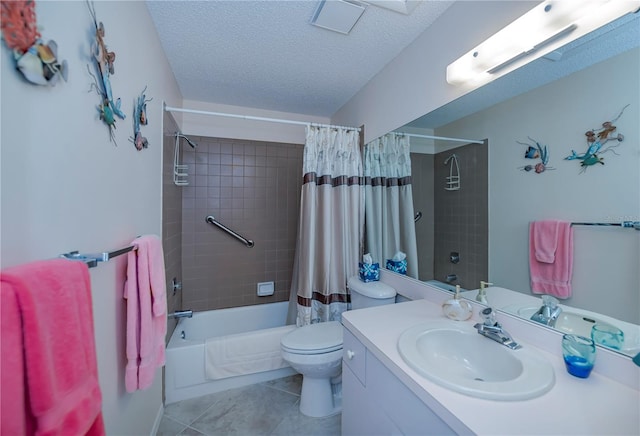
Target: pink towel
145, 291
545, 240
551, 257
48, 367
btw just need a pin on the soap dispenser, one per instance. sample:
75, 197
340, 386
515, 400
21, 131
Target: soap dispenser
482, 293
457, 309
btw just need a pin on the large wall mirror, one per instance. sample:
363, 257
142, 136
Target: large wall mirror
552, 102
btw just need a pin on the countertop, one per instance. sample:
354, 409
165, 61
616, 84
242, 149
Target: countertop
597, 405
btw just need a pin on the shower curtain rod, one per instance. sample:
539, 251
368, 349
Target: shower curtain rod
442, 138
252, 118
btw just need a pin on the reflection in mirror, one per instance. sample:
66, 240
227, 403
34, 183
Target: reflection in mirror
452, 235
589, 83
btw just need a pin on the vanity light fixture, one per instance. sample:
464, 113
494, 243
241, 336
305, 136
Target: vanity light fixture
338, 15
540, 31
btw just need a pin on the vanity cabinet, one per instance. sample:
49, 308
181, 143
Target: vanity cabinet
376, 402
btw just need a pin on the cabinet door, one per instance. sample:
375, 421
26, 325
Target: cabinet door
360, 415
401, 405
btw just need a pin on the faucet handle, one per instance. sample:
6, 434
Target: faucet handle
550, 301
488, 316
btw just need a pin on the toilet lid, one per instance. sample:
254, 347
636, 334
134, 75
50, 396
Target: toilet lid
318, 338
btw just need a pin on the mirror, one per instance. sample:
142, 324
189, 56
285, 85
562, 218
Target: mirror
547, 104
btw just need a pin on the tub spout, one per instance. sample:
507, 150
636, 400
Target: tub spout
181, 314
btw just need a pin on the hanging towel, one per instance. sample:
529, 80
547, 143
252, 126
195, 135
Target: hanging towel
551, 257
545, 240
49, 375
145, 292
245, 353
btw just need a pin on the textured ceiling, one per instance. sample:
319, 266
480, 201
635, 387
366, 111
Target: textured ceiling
265, 54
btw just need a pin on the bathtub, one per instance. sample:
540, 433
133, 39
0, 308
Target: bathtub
185, 354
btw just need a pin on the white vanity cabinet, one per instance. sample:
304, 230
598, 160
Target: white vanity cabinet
376, 402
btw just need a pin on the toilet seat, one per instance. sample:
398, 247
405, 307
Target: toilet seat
319, 338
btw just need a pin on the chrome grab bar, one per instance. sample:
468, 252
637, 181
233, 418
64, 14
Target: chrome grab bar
248, 242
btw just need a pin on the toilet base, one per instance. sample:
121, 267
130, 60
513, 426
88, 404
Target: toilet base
319, 397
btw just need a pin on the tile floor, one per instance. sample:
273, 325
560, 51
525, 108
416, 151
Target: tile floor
269, 408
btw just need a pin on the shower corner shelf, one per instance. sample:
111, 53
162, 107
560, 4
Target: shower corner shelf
452, 182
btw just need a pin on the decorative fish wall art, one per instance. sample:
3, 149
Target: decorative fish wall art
104, 60
596, 140
36, 60
140, 119
536, 151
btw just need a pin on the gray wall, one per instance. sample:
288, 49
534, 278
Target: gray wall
253, 188
171, 220
461, 223
452, 221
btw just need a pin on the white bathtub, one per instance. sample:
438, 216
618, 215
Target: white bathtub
185, 357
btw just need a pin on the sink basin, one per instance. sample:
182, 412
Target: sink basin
567, 322
580, 323
455, 356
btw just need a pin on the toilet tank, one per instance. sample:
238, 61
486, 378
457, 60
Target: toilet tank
369, 294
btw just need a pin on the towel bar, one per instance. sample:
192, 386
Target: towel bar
624, 224
92, 259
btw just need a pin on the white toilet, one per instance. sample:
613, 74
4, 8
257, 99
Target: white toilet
315, 351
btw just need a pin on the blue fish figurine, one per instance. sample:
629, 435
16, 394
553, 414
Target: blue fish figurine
531, 153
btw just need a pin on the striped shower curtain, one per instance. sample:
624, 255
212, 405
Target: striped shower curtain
331, 225
389, 219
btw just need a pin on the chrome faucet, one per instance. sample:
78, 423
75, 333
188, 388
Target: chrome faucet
549, 312
491, 329
181, 314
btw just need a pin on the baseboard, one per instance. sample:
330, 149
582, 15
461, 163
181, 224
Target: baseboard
156, 423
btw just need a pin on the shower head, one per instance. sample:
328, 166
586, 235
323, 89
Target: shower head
446, 161
189, 141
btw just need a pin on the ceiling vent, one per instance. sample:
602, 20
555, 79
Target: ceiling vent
402, 6
337, 15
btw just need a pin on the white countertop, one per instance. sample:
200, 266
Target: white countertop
596, 405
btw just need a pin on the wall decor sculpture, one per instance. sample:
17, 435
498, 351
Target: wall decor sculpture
536, 151
37, 62
140, 119
596, 140
104, 60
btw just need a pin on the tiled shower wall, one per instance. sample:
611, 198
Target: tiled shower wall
171, 220
422, 188
452, 221
254, 189
461, 220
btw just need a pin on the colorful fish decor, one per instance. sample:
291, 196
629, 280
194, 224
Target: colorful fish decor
536, 151
140, 119
596, 140
108, 107
36, 60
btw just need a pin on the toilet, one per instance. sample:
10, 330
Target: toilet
315, 351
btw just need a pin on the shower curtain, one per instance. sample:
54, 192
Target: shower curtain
331, 224
389, 218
